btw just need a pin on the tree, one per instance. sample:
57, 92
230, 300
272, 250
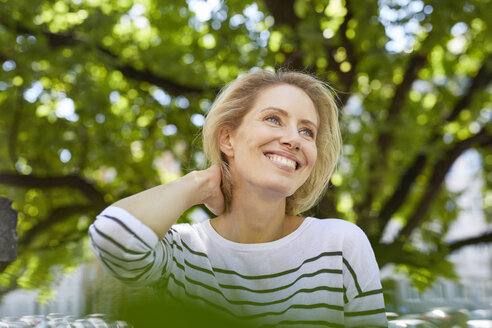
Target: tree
98, 95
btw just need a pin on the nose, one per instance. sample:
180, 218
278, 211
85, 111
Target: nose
291, 139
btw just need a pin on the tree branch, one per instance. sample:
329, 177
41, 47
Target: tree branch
57, 215
348, 77
434, 184
72, 181
482, 79
172, 88
415, 64
400, 194
283, 12
14, 128
484, 238
74, 237
84, 149
64, 39
378, 163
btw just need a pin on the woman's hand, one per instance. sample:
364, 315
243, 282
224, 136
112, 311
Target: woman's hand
215, 199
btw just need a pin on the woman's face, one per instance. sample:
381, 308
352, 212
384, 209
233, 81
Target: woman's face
274, 148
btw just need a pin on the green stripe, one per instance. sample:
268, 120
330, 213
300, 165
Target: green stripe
354, 276
117, 244
258, 315
274, 275
166, 254
207, 271
307, 322
172, 242
237, 302
293, 306
196, 297
100, 249
179, 265
124, 226
193, 251
117, 275
148, 265
226, 271
236, 287
369, 293
306, 275
363, 313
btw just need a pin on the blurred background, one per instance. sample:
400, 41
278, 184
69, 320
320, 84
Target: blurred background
100, 99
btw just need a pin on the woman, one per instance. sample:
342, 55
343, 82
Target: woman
273, 141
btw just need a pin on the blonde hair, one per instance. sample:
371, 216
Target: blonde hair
238, 97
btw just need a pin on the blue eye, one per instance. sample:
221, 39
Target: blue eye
307, 132
273, 119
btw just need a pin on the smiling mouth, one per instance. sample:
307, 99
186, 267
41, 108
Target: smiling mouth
283, 161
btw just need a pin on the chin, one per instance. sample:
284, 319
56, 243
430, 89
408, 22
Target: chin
283, 190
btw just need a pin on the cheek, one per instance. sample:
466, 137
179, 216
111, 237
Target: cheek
258, 136
312, 155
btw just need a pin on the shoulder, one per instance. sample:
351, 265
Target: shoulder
179, 230
340, 227
187, 231
344, 233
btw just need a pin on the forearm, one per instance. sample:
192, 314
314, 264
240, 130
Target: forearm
160, 207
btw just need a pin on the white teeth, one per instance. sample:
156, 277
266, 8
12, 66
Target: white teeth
282, 160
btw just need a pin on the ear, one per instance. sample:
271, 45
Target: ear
225, 142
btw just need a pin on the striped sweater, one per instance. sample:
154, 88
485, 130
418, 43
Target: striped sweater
322, 274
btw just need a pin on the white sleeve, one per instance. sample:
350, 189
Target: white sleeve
127, 248
364, 301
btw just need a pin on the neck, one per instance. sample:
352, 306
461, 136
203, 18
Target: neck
254, 218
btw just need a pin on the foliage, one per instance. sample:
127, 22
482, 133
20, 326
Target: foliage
101, 99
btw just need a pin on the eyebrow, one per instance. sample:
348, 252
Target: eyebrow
284, 112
